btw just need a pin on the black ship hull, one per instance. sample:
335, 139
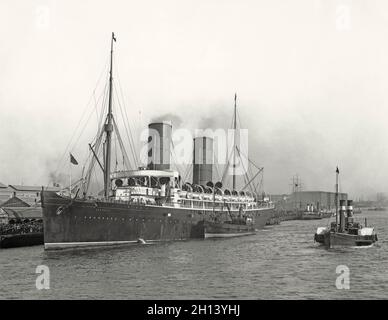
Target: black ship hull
21, 240
84, 223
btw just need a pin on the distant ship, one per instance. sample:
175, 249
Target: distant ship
148, 204
314, 214
377, 209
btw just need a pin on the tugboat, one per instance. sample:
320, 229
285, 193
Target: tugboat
349, 232
346, 232
231, 226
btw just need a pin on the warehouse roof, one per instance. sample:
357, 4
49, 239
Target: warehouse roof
15, 202
23, 212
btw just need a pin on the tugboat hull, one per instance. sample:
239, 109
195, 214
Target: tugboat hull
80, 223
335, 239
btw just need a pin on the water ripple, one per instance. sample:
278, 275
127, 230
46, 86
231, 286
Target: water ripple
281, 262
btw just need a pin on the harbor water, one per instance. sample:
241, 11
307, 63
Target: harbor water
280, 262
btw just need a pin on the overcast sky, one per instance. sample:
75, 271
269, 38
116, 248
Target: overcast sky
311, 78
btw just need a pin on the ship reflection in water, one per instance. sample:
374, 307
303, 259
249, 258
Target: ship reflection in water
281, 262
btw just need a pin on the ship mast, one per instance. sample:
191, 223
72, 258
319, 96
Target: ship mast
109, 126
234, 142
336, 198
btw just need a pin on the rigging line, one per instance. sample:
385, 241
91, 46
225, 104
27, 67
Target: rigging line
115, 142
126, 131
245, 175
126, 128
227, 153
95, 107
246, 183
122, 144
104, 107
240, 122
105, 70
96, 102
104, 95
123, 152
93, 160
187, 172
248, 172
249, 159
84, 127
249, 167
176, 158
261, 184
83, 114
99, 155
121, 92
137, 161
189, 168
83, 170
216, 166
227, 167
95, 178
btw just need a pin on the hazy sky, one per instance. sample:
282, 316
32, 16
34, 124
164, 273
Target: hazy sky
311, 78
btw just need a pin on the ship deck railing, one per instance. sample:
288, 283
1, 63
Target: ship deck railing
195, 204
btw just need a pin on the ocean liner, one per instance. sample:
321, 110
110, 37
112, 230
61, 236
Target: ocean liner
146, 204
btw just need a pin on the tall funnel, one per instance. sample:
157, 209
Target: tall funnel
159, 145
203, 160
349, 209
342, 211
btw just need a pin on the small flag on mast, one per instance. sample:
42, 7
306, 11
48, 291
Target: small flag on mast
72, 159
337, 171
113, 37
